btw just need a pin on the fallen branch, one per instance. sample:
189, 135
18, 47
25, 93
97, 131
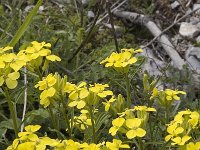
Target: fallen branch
178, 62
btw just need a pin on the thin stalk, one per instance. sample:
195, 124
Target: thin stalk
13, 113
84, 42
93, 126
72, 118
112, 25
52, 117
128, 90
25, 98
140, 144
64, 108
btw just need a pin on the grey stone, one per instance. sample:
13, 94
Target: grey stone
198, 39
175, 4
195, 7
193, 58
189, 30
194, 20
90, 14
85, 2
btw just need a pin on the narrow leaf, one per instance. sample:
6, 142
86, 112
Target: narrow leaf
25, 24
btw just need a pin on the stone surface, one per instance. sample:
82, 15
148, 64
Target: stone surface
189, 30
175, 4
193, 58
194, 20
90, 14
198, 39
196, 6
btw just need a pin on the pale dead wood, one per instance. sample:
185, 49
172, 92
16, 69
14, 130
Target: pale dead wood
178, 62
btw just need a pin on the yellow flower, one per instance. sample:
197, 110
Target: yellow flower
29, 133
99, 89
53, 58
14, 145
128, 113
154, 93
49, 81
83, 120
10, 80
46, 141
117, 123
173, 95
194, 119
3, 50
135, 130
193, 146
38, 49
91, 146
26, 146
71, 145
181, 140
48, 90
121, 60
19, 61
144, 108
108, 103
173, 131
77, 96
116, 145
45, 95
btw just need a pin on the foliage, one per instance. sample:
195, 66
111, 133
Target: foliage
79, 104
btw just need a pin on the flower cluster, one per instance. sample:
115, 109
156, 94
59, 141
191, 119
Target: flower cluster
121, 61
30, 140
52, 88
10, 64
131, 122
83, 121
81, 95
166, 97
36, 52
180, 129
31, 57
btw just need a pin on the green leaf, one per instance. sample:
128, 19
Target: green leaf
101, 118
25, 24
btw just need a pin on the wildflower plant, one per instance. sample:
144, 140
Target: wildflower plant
93, 116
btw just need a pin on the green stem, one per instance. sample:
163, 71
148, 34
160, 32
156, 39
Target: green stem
13, 113
167, 114
93, 125
54, 121
128, 90
140, 144
64, 108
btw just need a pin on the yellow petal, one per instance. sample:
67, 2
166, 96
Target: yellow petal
1, 81
11, 84
131, 134
32, 128
80, 104
140, 132
53, 58
14, 75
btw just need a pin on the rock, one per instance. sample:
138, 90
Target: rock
193, 58
194, 20
195, 7
175, 4
189, 30
198, 39
85, 2
29, 7
90, 14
